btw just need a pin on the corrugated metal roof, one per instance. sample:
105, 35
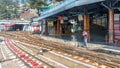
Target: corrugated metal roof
64, 6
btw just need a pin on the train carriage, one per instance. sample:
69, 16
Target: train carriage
36, 28
7, 27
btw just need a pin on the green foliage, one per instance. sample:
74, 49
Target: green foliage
7, 9
36, 3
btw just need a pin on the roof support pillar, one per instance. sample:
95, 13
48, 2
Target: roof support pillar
55, 27
111, 23
87, 24
46, 27
58, 27
111, 19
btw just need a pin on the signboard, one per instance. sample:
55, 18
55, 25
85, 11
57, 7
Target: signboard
80, 17
50, 23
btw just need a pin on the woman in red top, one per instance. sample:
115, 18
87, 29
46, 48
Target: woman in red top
85, 34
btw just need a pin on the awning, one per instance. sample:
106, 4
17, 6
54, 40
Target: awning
36, 24
9, 24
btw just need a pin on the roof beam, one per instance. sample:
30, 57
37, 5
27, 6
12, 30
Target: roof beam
115, 2
105, 5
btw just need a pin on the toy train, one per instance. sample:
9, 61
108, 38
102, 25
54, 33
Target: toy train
36, 28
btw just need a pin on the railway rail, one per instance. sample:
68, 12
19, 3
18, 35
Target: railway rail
99, 59
27, 57
61, 61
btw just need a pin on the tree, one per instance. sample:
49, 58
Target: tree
36, 4
7, 9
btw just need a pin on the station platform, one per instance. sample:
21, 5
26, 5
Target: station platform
77, 39
74, 39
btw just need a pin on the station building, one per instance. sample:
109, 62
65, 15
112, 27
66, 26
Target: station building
100, 18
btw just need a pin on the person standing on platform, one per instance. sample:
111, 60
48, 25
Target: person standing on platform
85, 34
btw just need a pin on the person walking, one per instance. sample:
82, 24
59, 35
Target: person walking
85, 34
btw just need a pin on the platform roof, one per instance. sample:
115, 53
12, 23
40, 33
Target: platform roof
71, 4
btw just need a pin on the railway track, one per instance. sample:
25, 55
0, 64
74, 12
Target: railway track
28, 58
98, 58
59, 59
